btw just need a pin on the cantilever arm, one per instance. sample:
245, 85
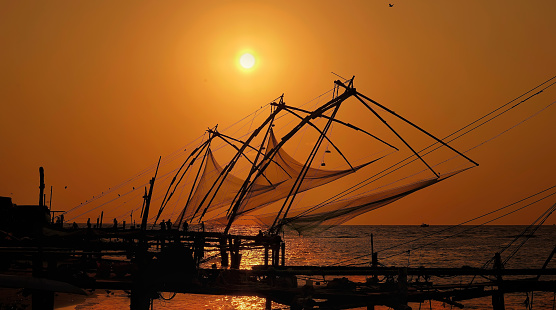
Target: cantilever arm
347, 125
320, 131
169, 194
224, 138
358, 94
397, 134
256, 150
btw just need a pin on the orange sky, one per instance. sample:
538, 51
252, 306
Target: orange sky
95, 91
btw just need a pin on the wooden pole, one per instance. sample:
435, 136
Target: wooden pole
41, 186
402, 290
50, 203
498, 295
372, 248
148, 199
266, 255
283, 254
223, 252
374, 259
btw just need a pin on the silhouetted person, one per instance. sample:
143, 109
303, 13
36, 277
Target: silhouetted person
123, 225
203, 226
185, 226
115, 224
89, 223
259, 237
168, 225
74, 225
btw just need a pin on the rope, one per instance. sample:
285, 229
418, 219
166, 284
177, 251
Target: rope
528, 234
179, 152
368, 180
458, 225
474, 227
169, 298
359, 186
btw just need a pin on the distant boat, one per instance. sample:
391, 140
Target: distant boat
425, 225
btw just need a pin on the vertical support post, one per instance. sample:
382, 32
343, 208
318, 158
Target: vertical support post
374, 264
283, 254
374, 259
148, 199
276, 254
41, 186
266, 255
498, 295
372, 245
402, 289
268, 304
273, 254
40, 300
235, 254
140, 298
50, 203
223, 252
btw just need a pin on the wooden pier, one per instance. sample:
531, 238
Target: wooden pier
148, 262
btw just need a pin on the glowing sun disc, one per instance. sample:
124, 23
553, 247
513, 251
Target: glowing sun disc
247, 61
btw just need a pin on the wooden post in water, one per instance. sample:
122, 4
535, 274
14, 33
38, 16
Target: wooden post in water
374, 264
402, 290
235, 254
41, 186
223, 252
148, 199
372, 245
40, 299
141, 293
374, 259
275, 255
498, 295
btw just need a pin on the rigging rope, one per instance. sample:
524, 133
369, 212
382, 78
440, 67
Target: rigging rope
474, 227
458, 225
359, 186
384, 172
528, 234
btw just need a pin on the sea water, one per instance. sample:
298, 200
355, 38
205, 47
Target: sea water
401, 246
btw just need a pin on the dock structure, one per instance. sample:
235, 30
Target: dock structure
45, 257
146, 263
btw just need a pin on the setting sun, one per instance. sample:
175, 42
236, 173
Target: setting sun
247, 60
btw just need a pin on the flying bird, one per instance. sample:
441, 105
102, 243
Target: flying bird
390, 5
